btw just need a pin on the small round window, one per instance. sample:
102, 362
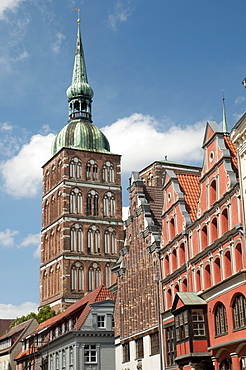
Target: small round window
211, 156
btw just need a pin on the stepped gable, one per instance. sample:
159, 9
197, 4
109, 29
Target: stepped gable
233, 152
154, 196
190, 186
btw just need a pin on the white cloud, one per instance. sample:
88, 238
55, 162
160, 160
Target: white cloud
37, 252
239, 100
125, 211
30, 239
8, 5
6, 127
142, 140
22, 174
9, 311
23, 56
56, 47
6, 238
121, 12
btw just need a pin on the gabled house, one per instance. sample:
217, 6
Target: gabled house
10, 343
81, 337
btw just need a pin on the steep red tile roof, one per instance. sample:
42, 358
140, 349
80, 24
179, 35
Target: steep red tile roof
97, 295
233, 151
190, 186
154, 196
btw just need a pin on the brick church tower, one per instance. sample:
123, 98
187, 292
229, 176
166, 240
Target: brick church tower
82, 229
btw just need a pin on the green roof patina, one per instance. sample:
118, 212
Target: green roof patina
79, 84
81, 135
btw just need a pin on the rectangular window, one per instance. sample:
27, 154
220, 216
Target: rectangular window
139, 348
181, 325
71, 356
126, 352
198, 323
170, 345
154, 343
101, 323
90, 353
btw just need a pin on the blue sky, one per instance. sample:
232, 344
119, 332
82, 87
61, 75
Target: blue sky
157, 69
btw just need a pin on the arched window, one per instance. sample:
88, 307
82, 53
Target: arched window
107, 275
105, 205
204, 237
176, 288
166, 265
172, 228
182, 254
184, 285
224, 221
227, 264
112, 206
91, 170
75, 201
93, 242
226, 364
217, 271
79, 170
169, 298
108, 172
73, 239
174, 259
214, 230
77, 277
238, 257
106, 242
113, 238
213, 195
207, 277
91, 278
76, 241
94, 276
92, 203
57, 279
198, 280
220, 320
72, 168
238, 309
98, 277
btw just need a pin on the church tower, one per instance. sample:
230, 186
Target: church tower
82, 229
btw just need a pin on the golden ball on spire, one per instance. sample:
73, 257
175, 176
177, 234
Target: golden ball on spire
78, 20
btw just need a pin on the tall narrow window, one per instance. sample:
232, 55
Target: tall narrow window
97, 241
105, 205
112, 206
217, 271
92, 203
72, 168
220, 320
98, 277
207, 277
106, 242
213, 192
80, 240
113, 243
227, 264
238, 257
239, 314
77, 277
224, 221
73, 239
204, 237
107, 275
214, 229
91, 279
171, 228
79, 170
95, 172
108, 172
76, 238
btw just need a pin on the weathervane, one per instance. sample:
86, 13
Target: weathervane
78, 15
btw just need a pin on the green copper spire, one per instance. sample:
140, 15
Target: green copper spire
224, 126
80, 93
80, 133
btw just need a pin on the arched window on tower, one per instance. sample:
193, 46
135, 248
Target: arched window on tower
107, 275
76, 238
94, 276
75, 168
172, 228
108, 172
72, 168
77, 277
93, 240
92, 203
110, 241
76, 201
109, 204
92, 170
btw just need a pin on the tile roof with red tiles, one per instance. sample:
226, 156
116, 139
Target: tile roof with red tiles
100, 294
233, 151
190, 186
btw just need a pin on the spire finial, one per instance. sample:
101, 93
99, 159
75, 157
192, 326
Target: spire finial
224, 125
78, 20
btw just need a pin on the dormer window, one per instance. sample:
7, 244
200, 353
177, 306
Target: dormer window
101, 322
